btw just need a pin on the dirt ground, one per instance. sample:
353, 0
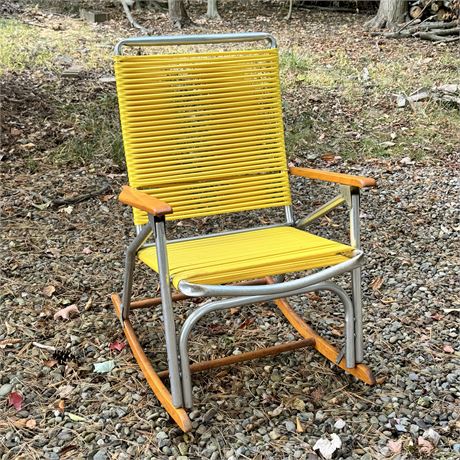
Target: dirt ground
64, 233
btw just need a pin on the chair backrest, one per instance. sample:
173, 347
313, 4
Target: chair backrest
204, 131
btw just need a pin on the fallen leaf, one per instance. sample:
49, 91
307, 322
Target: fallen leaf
317, 394
277, 411
298, 404
298, 424
425, 446
31, 423
395, 446
327, 447
117, 346
105, 367
50, 363
75, 417
7, 342
329, 157
247, 322
48, 291
19, 423
377, 283
67, 209
448, 349
105, 198
15, 399
15, 132
88, 304
60, 406
64, 313
65, 390
313, 296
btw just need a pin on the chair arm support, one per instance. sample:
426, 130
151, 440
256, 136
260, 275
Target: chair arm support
330, 176
144, 202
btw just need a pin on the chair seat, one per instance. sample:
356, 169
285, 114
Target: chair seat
247, 255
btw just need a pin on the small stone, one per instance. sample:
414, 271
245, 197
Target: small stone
162, 435
5, 389
274, 434
432, 436
183, 448
65, 435
290, 425
400, 428
339, 424
413, 376
456, 448
100, 455
182, 457
414, 429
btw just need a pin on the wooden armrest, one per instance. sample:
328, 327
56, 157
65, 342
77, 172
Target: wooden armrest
330, 176
144, 202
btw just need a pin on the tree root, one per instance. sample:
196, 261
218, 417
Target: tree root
131, 20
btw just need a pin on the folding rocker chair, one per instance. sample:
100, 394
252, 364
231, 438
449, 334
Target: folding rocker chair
203, 136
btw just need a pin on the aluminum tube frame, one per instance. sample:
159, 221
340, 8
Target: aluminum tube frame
355, 239
195, 40
321, 211
167, 306
209, 290
289, 212
130, 258
223, 304
211, 235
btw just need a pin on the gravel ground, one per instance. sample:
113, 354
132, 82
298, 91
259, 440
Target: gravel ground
55, 256
273, 408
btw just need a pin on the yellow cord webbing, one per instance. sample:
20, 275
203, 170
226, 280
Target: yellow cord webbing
204, 131
254, 254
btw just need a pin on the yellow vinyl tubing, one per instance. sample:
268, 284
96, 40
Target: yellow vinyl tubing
249, 255
204, 131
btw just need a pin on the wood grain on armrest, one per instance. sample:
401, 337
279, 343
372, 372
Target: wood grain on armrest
144, 202
330, 176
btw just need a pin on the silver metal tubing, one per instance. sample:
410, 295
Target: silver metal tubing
212, 235
208, 290
194, 40
168, 312
129, 269
289, 215
355, 236
240, 301
321, 211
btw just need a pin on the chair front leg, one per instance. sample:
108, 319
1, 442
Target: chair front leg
355, 236
168, 313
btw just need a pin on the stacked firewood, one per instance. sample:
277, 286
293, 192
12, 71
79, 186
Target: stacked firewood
438, 10
434, 20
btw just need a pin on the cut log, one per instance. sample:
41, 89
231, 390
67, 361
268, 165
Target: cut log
415, 12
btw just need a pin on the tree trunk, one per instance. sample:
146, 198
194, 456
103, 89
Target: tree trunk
177, 13
390, 13
212, 12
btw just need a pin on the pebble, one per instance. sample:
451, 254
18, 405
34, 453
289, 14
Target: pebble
100, 455
290, 425
274, 434
5, 389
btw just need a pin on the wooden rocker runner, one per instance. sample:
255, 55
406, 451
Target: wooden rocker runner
203, 135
